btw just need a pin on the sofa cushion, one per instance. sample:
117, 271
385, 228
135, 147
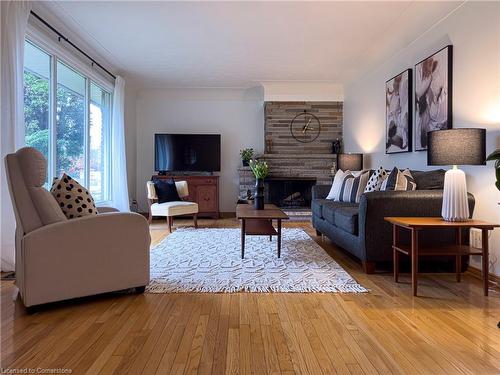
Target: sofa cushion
329, 209
346, 218
47, 206
429, 180
317, 207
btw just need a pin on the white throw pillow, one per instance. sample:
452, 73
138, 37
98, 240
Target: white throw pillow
334, 193
357, 173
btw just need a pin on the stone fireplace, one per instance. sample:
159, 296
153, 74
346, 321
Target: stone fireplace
294, 166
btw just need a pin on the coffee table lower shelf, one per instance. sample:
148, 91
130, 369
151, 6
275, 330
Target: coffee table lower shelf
258, 227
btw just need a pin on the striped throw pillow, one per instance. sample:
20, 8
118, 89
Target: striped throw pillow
399, 181
353, 187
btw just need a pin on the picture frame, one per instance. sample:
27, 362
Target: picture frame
399, 113
433, 95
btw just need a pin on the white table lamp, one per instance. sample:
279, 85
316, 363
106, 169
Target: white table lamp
455, 147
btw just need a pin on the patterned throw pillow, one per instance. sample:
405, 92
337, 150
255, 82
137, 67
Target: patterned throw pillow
337, 185
399, 181
376, 180
74, 200
353, 187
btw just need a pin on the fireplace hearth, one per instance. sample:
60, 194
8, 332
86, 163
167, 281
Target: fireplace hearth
289, 192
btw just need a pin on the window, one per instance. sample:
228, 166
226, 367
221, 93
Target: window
70, 125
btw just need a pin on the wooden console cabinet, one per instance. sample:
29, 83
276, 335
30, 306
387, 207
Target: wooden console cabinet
203, 190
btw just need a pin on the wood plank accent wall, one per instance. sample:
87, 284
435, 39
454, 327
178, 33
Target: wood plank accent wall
290, 158
278, 116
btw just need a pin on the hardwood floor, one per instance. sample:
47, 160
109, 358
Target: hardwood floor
451, 329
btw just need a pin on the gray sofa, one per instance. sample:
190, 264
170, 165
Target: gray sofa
362, 231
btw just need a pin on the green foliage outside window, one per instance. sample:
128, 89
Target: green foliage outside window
70, 118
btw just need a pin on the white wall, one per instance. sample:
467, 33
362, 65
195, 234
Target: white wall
236, 114
307, 91
474, 32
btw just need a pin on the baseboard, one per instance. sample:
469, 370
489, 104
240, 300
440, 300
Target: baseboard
493, 279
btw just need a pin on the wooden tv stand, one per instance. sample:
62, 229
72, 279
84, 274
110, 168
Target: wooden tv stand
203, 190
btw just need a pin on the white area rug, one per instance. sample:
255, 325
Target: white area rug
209, 260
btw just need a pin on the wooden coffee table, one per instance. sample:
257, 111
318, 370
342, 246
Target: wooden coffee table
259, 223
413, 250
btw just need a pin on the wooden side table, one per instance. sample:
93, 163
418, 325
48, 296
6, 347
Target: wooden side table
414, 224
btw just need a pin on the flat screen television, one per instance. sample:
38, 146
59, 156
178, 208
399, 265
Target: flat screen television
187, 152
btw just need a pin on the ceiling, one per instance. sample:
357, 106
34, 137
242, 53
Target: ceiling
240, 44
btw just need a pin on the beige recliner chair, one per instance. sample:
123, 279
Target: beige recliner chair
57, 258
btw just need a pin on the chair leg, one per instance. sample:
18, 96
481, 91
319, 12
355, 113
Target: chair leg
169, 220
195, 218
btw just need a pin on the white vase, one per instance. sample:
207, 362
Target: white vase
455, 203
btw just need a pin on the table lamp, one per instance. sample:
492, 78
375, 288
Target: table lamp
465, 146
352, 162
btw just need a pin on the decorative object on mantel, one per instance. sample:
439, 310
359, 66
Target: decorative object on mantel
260, 170
433, 92
495, 155
350, 161
246, 155
465, 146
305, 127
337, 146
398, 113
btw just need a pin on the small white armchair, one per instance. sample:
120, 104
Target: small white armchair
171, 209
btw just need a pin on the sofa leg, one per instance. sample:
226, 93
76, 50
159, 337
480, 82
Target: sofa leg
368, 267
318, 233
169, 220
195, 219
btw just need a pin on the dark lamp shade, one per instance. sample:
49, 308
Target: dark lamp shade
353, 162
465, 146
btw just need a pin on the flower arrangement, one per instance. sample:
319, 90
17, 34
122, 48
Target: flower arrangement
495, 155
259, 168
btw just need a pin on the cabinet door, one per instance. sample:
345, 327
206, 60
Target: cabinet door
206, 196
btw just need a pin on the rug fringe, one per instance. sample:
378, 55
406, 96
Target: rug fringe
158, 288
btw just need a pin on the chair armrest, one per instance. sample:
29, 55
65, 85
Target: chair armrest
104, 210
320, 191
85, 256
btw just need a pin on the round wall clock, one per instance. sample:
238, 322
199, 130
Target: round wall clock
305, 127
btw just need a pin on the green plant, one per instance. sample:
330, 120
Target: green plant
259, 168
495, 155
246, 154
